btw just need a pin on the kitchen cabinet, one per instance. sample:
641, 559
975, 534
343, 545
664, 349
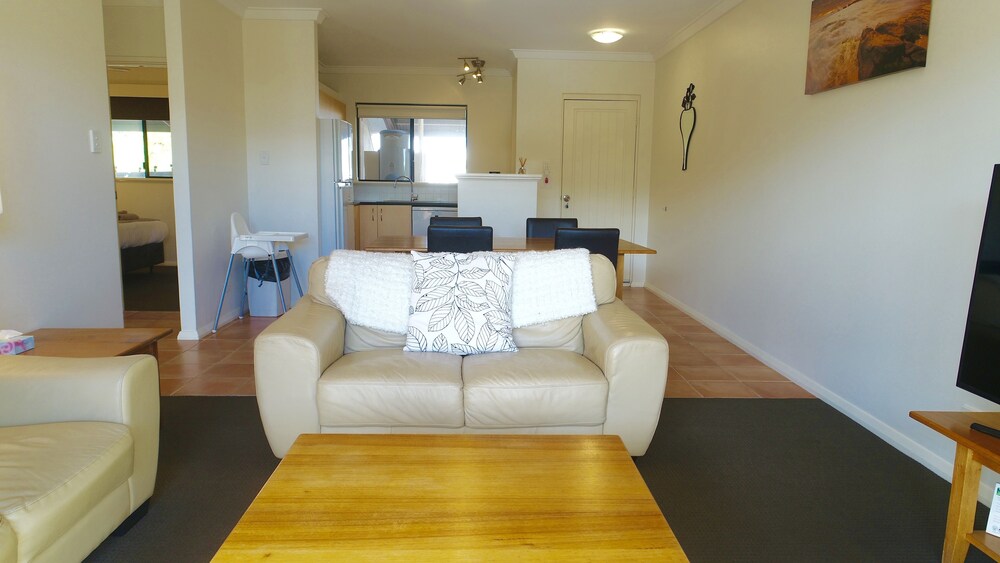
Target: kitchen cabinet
374, 221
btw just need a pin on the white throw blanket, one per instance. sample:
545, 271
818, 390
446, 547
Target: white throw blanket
553, 285
372, 289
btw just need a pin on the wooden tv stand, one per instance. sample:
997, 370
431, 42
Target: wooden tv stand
973, 451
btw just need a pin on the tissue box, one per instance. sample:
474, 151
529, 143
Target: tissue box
16, 345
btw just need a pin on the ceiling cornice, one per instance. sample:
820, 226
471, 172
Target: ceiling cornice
122, 60
715, 12
582, 56
288, 14
424, 70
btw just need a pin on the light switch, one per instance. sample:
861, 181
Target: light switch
95, 141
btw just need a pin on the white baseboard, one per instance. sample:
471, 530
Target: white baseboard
940, 466
205, 330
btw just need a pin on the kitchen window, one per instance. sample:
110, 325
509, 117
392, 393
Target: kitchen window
424, 142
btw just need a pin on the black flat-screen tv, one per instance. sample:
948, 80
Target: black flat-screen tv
979, 368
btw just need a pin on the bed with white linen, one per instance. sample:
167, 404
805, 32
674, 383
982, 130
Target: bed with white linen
141, 242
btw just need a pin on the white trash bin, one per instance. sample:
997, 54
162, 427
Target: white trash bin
264, 298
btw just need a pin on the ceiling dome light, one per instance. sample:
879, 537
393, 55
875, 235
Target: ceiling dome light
606, 35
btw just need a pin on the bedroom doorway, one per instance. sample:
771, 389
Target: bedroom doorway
141, 146
142, 151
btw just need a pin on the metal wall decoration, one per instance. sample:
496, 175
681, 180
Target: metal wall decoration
688, 119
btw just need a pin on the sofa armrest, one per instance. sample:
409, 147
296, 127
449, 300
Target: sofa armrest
633, 356
126, 390
289, 357
8, 542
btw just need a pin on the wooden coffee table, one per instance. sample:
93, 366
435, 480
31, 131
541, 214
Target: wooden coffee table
96, 342
453, 497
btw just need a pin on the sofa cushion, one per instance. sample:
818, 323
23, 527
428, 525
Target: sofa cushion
51, 475
533, 387
392, 388
460, 303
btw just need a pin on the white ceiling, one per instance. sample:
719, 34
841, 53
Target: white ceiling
434, 33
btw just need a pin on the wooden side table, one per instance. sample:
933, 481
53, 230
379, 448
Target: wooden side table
973, 450
96, 342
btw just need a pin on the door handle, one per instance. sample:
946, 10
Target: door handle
566, 198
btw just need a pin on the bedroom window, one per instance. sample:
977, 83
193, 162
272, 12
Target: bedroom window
141, 148
424, 142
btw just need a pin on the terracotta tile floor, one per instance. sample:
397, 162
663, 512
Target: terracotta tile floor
702, 363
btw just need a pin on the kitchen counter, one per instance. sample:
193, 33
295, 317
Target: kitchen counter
410, 203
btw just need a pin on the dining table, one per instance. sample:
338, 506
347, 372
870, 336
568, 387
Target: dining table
508, 244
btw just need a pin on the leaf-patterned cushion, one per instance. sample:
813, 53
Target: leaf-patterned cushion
460, 303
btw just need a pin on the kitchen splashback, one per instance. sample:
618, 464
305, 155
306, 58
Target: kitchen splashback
383, 191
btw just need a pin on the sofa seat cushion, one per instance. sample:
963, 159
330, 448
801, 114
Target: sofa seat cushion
51, 475
533, 387
392, 388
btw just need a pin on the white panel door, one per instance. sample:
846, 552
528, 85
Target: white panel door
598, 176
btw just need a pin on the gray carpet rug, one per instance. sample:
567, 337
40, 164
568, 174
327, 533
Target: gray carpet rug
737, 479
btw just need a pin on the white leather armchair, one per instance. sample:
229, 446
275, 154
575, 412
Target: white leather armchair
79, 442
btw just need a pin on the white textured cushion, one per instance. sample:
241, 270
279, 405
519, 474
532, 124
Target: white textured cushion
52, 475
551, 285
460, 303
392, 388
534, 387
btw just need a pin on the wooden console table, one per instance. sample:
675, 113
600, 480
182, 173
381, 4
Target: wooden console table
973, 450
96, 342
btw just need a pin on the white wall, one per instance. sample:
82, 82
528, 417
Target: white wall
55, 192
134, 34
153, 199
205, 65
489, 105
834, 236
541, 84
281, 92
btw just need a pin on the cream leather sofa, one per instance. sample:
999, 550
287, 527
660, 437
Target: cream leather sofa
79, 440
601, 373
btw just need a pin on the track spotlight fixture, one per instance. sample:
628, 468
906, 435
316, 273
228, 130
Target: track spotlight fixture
471, 66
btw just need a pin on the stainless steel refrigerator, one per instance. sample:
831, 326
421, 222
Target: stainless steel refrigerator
336, 185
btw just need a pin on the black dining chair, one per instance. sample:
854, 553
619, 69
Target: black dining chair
597, 241
543, 227
457, 221
447, 238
